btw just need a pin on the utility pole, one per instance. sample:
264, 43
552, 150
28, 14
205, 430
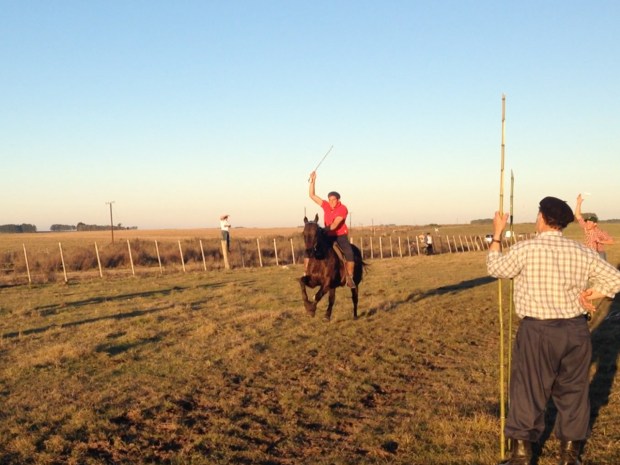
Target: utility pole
111, 221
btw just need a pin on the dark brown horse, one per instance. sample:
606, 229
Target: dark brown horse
325, 269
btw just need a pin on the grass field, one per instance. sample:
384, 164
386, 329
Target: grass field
224, 367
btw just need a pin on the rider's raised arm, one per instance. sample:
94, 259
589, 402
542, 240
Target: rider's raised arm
318, 200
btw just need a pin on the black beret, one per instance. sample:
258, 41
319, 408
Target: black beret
556, 212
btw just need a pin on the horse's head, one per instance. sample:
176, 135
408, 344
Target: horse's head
312, 232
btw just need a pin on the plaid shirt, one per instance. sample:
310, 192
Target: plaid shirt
549, 272
594, 236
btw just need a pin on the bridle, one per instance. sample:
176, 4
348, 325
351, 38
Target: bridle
316, 250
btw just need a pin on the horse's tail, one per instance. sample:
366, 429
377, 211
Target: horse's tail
360, 264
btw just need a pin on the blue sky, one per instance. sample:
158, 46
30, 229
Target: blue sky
182, 111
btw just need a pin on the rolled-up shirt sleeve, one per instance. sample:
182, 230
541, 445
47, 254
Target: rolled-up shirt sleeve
605, 278
504, 265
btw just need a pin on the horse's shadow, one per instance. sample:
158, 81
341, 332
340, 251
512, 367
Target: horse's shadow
605, 329
418, 296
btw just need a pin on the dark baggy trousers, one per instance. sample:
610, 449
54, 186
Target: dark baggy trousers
551, 359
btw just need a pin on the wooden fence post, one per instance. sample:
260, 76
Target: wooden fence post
133, 271
181, 253
260, 257
400, 248
98, 260
372, 252
381, 246
292, 251
62, 259
225, 254
275, 250
27, 266
161, 270
202, 251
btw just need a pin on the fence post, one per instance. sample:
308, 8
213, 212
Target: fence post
400, 248
202, 251
275, 250
161, 270
381, 246
98, 260
409, 246
449, 246
62, 259
133, 271
260, 257
224, 254
181, 253
372, 251
292, 250
27, 266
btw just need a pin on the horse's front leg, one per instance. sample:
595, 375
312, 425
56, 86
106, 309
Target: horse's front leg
309, 306
332, 299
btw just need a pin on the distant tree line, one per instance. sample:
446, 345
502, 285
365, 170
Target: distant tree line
62, 227
95, 227
18, 228
482, 221
31, 228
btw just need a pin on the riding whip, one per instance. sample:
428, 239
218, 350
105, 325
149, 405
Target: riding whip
324, 157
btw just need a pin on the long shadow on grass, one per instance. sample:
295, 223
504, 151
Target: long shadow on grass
418, 296
605, 350
117, 316
54, 309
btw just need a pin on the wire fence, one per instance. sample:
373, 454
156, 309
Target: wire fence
76, 261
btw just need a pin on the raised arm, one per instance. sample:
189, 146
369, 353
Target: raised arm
578, 208
318, 200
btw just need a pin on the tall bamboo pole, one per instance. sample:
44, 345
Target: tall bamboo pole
502, 393
511, 290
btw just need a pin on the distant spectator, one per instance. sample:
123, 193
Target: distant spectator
595, 238
225, 227
428, 240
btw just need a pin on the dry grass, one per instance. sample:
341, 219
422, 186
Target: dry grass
225, 367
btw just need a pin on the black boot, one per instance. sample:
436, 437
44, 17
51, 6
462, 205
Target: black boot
521, 453
569, 452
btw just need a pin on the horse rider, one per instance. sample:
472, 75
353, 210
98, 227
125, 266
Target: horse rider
335, 217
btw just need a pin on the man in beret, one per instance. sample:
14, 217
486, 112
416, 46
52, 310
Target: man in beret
335, 217
552, 349
595, 238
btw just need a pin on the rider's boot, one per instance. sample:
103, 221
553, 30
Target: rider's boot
350, 268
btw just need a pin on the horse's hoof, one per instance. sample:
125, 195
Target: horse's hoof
326, 319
